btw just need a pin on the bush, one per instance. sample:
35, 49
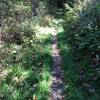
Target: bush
84, 29
13, 14
82, 25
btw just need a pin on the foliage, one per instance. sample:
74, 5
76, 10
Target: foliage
26, 73
84, 28
82, 33
25, 49
13, 14
24, 58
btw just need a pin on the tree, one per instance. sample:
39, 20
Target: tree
35, 5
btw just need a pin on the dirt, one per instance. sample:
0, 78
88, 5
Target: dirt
57, 87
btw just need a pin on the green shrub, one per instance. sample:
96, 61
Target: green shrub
82, 25
84, 28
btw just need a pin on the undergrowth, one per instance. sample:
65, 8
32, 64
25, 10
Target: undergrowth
79, 84
27, 74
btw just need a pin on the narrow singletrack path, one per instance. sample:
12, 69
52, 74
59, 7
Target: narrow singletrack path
57, 86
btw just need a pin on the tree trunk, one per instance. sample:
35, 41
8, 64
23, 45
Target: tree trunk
97, 2
35, 5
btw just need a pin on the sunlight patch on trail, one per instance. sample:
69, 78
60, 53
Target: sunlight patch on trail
44, 31
53, 29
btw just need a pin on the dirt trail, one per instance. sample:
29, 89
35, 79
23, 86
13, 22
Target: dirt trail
57, 87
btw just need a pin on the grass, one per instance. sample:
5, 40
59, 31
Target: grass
30, 76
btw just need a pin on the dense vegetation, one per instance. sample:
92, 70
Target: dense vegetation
25, 48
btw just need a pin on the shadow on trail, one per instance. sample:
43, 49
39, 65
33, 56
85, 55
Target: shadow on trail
57, 86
